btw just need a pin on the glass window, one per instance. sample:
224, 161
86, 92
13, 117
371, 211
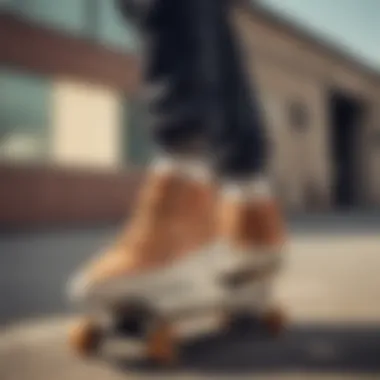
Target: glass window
97, 20
299, 116
112, 29
5, 4
24, 115
64, 15
138, 144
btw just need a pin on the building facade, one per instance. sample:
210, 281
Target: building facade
322, 111
68, 72
68, 134
65, 73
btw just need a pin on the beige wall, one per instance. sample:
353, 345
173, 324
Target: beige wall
86, 125
289, 70
300, 160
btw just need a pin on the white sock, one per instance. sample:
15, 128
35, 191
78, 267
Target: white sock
250, 189
191, 168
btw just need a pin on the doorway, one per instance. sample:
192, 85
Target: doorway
346, 115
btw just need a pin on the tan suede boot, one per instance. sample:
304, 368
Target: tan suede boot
251, 227
173, 217
249, 217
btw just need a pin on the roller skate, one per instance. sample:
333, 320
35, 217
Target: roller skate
190, 265
253, 237
157, 272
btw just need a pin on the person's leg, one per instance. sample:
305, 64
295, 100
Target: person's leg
250, 222
169, 67
228, 111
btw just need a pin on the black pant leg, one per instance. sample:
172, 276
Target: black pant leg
171, 86
244, 136
234, 124
194, 57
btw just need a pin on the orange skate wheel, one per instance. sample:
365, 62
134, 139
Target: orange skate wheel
161, 345
85, 337
274, 321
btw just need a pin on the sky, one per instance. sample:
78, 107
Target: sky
353, 25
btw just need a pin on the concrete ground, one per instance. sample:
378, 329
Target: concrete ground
330, 286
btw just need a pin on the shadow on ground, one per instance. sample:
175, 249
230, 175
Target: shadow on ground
306, 349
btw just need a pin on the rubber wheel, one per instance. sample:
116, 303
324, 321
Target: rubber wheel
274, 322
162, 348
85, 337
242, 322
132, 321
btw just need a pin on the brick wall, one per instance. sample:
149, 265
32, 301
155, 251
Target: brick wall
45, 196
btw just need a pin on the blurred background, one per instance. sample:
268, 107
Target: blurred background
68, 122
73, 144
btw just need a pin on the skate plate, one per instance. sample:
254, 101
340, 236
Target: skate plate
185, 329
186, 307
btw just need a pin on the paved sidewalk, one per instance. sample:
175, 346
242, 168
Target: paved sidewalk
331, 286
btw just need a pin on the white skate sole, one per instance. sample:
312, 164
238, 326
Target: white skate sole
195, 293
